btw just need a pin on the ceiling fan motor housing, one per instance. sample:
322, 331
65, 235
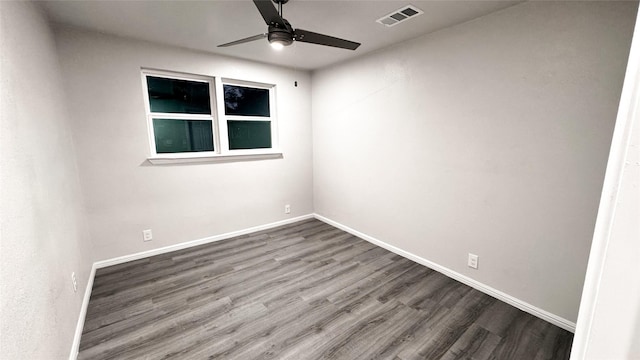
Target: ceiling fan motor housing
283, 36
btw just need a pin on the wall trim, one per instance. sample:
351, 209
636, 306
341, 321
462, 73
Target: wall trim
184, 245
75, 346
520, 304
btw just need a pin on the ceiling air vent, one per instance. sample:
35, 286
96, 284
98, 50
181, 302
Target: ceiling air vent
400, 15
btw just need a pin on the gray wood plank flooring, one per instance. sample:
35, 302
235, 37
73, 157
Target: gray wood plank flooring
302, 291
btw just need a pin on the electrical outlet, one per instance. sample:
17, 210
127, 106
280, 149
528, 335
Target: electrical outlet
74, 281
473, 261
146, 235
287, 209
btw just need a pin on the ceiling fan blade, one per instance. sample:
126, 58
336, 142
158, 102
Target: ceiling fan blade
270, 13
245, 40
320, 39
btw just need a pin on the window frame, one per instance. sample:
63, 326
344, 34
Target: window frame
179, 116
218, 118
272, 118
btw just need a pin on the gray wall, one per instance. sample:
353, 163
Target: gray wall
44, 236
125, 194
490, 137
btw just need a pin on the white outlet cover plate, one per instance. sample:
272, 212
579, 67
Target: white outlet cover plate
473, 261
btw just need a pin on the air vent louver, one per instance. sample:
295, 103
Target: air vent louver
400, 15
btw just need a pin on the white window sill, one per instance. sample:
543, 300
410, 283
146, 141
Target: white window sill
195, 158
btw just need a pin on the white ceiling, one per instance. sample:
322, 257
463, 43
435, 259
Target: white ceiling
202, 25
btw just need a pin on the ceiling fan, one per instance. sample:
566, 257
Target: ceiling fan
281, 33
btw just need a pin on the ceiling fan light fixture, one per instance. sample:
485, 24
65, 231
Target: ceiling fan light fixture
279, 38
277, 45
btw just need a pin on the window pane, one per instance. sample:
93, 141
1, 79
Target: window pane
249, 134
178, 96
246, 101
176, 136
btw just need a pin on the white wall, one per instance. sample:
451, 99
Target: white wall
125, 194
44, 236
609, 319
490, 137
618, 302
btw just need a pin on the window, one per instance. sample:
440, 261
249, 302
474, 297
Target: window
179, 114
183, 121
248, 115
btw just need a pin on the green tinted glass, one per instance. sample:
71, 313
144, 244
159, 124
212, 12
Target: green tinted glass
246, 101
176, 136
178, 96
249, 134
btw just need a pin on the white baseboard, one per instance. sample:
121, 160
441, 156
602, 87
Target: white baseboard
75, 347
522, 305
192, 243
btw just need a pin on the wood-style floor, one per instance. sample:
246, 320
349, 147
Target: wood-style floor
302, 291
